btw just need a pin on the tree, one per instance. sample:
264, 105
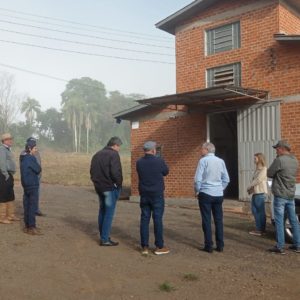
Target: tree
9, 101
31, 108
81, 102
53, 129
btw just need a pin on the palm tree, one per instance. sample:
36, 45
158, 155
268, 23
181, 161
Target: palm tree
31, 108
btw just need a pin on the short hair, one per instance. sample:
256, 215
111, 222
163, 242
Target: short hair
114, 141
261, 159
210, 147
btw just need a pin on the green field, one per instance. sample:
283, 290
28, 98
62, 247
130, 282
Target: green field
71, 168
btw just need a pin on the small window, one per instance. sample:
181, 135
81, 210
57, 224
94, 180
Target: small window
223, 38
224, 75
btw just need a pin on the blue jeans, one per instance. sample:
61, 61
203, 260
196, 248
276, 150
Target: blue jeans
281, 206
108, 201
211, 205
258, 211
152, 205
30, 199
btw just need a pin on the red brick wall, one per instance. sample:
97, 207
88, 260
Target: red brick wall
290, 126
266, 64
289, 22
181, 139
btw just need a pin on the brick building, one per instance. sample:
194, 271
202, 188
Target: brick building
237, 84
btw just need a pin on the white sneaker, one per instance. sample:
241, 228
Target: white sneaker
159, 251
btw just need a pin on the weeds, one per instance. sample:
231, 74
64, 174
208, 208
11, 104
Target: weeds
166, 287
190, 277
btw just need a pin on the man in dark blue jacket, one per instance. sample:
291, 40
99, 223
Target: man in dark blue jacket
151, 171
30, 170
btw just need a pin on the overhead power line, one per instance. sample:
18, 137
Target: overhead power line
83, 43
46, 75
78, 23
86, 29
85, 35
85, 53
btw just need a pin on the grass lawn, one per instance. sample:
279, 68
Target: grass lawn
71, 168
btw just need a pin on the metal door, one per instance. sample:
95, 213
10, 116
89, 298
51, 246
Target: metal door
258, 130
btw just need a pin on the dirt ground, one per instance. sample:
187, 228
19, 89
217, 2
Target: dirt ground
68, 263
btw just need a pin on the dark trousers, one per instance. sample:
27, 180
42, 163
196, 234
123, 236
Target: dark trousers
152, 205
211, 205
30, 199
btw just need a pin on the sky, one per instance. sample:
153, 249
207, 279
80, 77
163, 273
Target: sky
35, 22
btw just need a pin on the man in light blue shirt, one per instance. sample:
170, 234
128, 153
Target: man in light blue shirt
211, 179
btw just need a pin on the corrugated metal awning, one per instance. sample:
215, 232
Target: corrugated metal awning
221, 94
209, 99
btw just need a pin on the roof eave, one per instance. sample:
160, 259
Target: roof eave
169, 24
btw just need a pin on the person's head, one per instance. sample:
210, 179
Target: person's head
31, 139
7, 139
115, 143
150, 147
259, 160
30, 147
282, 147
208, 148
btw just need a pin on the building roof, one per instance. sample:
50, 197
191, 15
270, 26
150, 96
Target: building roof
127, 113
209, 99
281, 37
170, 23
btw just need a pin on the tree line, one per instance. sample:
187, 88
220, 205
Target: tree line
83, 123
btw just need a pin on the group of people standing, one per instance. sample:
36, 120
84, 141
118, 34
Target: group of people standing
30, 169
211, 179
283, 172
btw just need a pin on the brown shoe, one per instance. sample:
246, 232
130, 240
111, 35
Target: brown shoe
34, 231
5, 221
3, 214
13, 218
159, 251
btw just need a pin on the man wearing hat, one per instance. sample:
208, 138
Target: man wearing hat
7, 170
30, 170
283, 171
151, 171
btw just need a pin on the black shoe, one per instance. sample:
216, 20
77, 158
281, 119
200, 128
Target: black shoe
294, 248
109, 243
208, 250
219, 249
276, 250
40, 214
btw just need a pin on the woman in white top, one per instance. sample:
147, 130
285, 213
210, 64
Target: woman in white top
258, 189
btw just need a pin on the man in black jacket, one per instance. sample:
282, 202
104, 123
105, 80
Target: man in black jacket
151, 171
106, 174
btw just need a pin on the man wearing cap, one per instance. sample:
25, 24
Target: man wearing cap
30, 170
7, 170
39, 161
151, 171
283, 171
106, 174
